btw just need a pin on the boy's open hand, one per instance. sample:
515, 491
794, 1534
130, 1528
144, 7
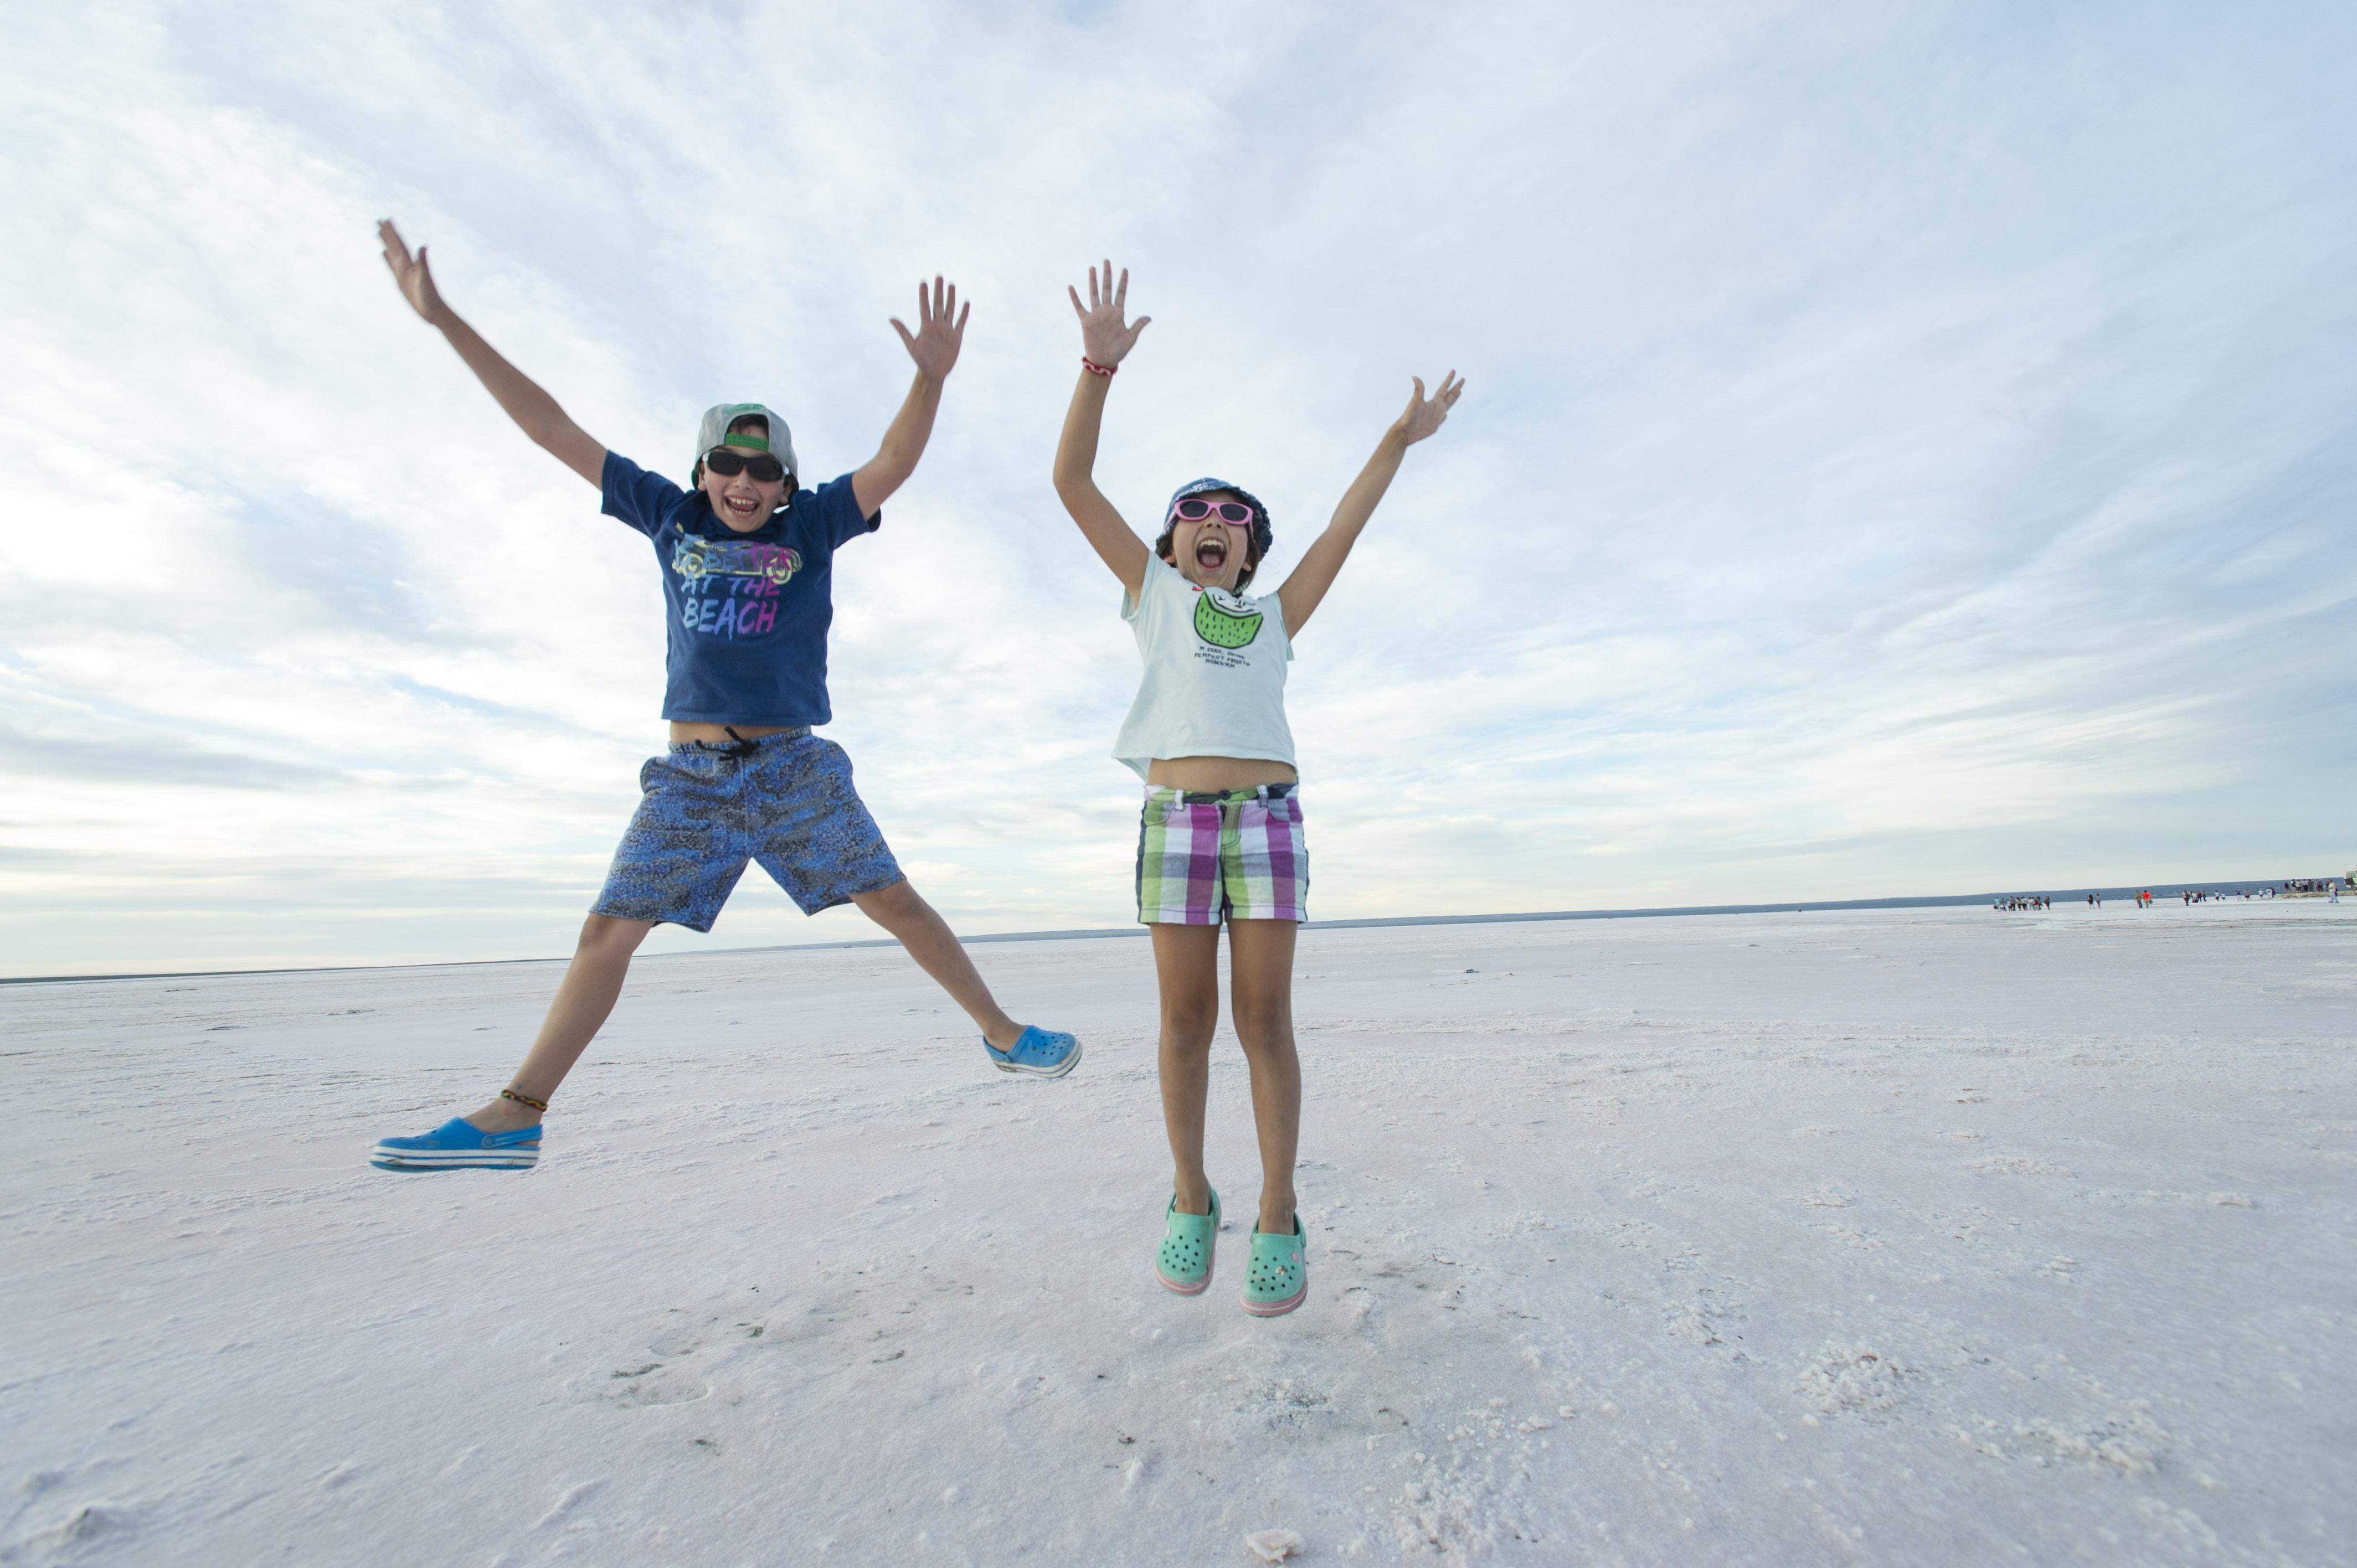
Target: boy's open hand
936, 343
1103, 338
1424, 416
415, 278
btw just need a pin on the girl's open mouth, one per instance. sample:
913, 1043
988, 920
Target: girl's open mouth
1210, 555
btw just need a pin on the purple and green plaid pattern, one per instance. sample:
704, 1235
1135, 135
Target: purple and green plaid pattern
1204, 857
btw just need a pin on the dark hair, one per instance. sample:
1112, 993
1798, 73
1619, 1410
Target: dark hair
1164, 548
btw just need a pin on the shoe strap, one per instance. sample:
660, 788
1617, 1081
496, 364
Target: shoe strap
1212, 1219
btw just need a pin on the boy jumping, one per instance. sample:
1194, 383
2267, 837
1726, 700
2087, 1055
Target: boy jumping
747, 567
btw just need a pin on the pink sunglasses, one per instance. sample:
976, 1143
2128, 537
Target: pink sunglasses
1196, 512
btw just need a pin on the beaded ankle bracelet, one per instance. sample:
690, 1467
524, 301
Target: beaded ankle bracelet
523, 1099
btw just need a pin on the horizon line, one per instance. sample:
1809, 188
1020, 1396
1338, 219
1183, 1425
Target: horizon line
1801, 907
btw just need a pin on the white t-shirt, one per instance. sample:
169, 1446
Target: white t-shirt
1214, 681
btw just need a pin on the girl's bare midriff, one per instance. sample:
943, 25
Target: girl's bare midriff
1221, 773
683, 733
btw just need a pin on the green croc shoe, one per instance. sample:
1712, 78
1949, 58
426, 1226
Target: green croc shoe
1278, 1280
1183, 1264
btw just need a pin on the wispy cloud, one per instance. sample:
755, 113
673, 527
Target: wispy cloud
1906, 450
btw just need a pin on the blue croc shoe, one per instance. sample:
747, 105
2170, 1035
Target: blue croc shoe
1042, 1053
1183, 1262
1278, 1278
458, 1144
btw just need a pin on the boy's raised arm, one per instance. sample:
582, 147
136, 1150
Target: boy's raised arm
1104, 342
934, 346
534, 412
1309, 582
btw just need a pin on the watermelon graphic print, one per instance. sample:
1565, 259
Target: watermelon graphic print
1224, 620
1213, 672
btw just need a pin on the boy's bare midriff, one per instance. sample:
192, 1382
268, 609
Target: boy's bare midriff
683, 733
1215, 773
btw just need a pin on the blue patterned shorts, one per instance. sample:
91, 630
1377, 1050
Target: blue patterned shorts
787, 804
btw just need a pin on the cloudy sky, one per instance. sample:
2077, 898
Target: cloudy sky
1909, 449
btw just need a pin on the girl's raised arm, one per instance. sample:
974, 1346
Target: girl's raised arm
534, 412
1309, 582
1104, 343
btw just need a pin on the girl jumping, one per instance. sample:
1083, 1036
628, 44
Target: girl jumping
1220, 835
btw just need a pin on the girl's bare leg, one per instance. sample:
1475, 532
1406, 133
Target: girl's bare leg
919, 929
1187, 971
1260, 962
584, 998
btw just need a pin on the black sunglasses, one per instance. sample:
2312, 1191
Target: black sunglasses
728, 463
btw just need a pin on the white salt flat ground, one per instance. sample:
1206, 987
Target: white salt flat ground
1907, 1236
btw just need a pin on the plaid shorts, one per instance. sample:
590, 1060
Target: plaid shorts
1239, 856
705, 809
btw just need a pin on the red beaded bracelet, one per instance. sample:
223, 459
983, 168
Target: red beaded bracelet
1096, 369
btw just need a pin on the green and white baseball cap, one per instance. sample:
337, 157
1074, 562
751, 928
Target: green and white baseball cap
714, 431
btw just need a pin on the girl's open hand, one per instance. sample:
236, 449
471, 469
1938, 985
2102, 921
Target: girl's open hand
1426, 415
936, 343
1103, 338
415, 278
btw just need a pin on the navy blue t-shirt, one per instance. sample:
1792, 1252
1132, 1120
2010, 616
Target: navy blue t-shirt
748, 611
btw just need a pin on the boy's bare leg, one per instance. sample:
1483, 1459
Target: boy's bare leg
584, 998
1187, 971
913, 922
1260, 957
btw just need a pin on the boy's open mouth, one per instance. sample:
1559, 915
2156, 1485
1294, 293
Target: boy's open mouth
742, 506
1210, 555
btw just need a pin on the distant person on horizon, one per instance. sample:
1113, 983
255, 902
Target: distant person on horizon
1220, 837
747, 556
